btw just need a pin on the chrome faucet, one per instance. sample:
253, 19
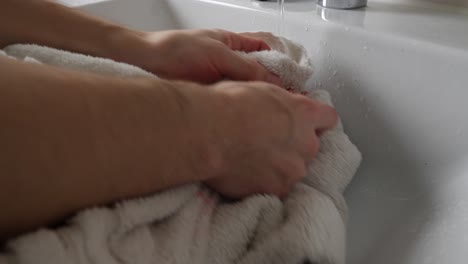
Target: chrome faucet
342, 4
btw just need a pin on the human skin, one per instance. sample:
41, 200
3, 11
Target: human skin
70, 140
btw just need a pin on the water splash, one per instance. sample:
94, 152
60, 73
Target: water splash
279, 29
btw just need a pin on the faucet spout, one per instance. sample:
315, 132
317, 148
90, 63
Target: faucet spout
342, 4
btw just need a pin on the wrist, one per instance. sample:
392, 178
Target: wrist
152, 51
198, 107
207, 122
121, 44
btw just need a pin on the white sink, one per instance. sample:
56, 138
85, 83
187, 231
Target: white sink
399, 75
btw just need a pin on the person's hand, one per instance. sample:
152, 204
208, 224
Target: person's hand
266, 136
205, 56
271, 40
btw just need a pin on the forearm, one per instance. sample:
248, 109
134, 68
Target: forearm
45, 22
71, 140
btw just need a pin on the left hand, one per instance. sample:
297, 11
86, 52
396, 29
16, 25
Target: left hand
204, 56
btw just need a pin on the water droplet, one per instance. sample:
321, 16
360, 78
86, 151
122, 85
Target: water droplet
319, 84
366, 116
365, 48
307, 29
335, 73
402, 50
329, 54
458, 132
361, 99
253, 20
347, 28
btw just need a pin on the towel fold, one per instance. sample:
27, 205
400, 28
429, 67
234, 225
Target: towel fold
191, 224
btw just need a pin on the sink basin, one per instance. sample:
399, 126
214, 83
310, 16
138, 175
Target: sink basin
399, 76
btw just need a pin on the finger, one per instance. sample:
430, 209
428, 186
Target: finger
292, 169
271, 40
325, 117
244, 43
288, 169
241, 42
260, 35
311, 147
236, 67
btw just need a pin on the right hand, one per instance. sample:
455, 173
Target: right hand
204, 56
266, 137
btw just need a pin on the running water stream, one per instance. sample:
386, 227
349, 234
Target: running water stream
279, 29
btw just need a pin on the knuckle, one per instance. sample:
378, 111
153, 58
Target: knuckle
280, 191
334, 115
299, 172
317, 111
267, 34
302, 171
253, 69
261, 72
312, 148
309, 105
267, 87
328, 117
220, 31
237, 89
326, 108
258, 72
283, 192
293, 170
264, 34
206, 32
272, 189
220, 48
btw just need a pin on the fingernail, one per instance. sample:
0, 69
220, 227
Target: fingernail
274, 80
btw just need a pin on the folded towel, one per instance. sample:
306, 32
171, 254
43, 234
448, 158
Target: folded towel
191, 224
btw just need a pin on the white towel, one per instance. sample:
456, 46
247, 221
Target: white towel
191, 224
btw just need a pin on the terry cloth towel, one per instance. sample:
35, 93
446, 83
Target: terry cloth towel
191, 224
